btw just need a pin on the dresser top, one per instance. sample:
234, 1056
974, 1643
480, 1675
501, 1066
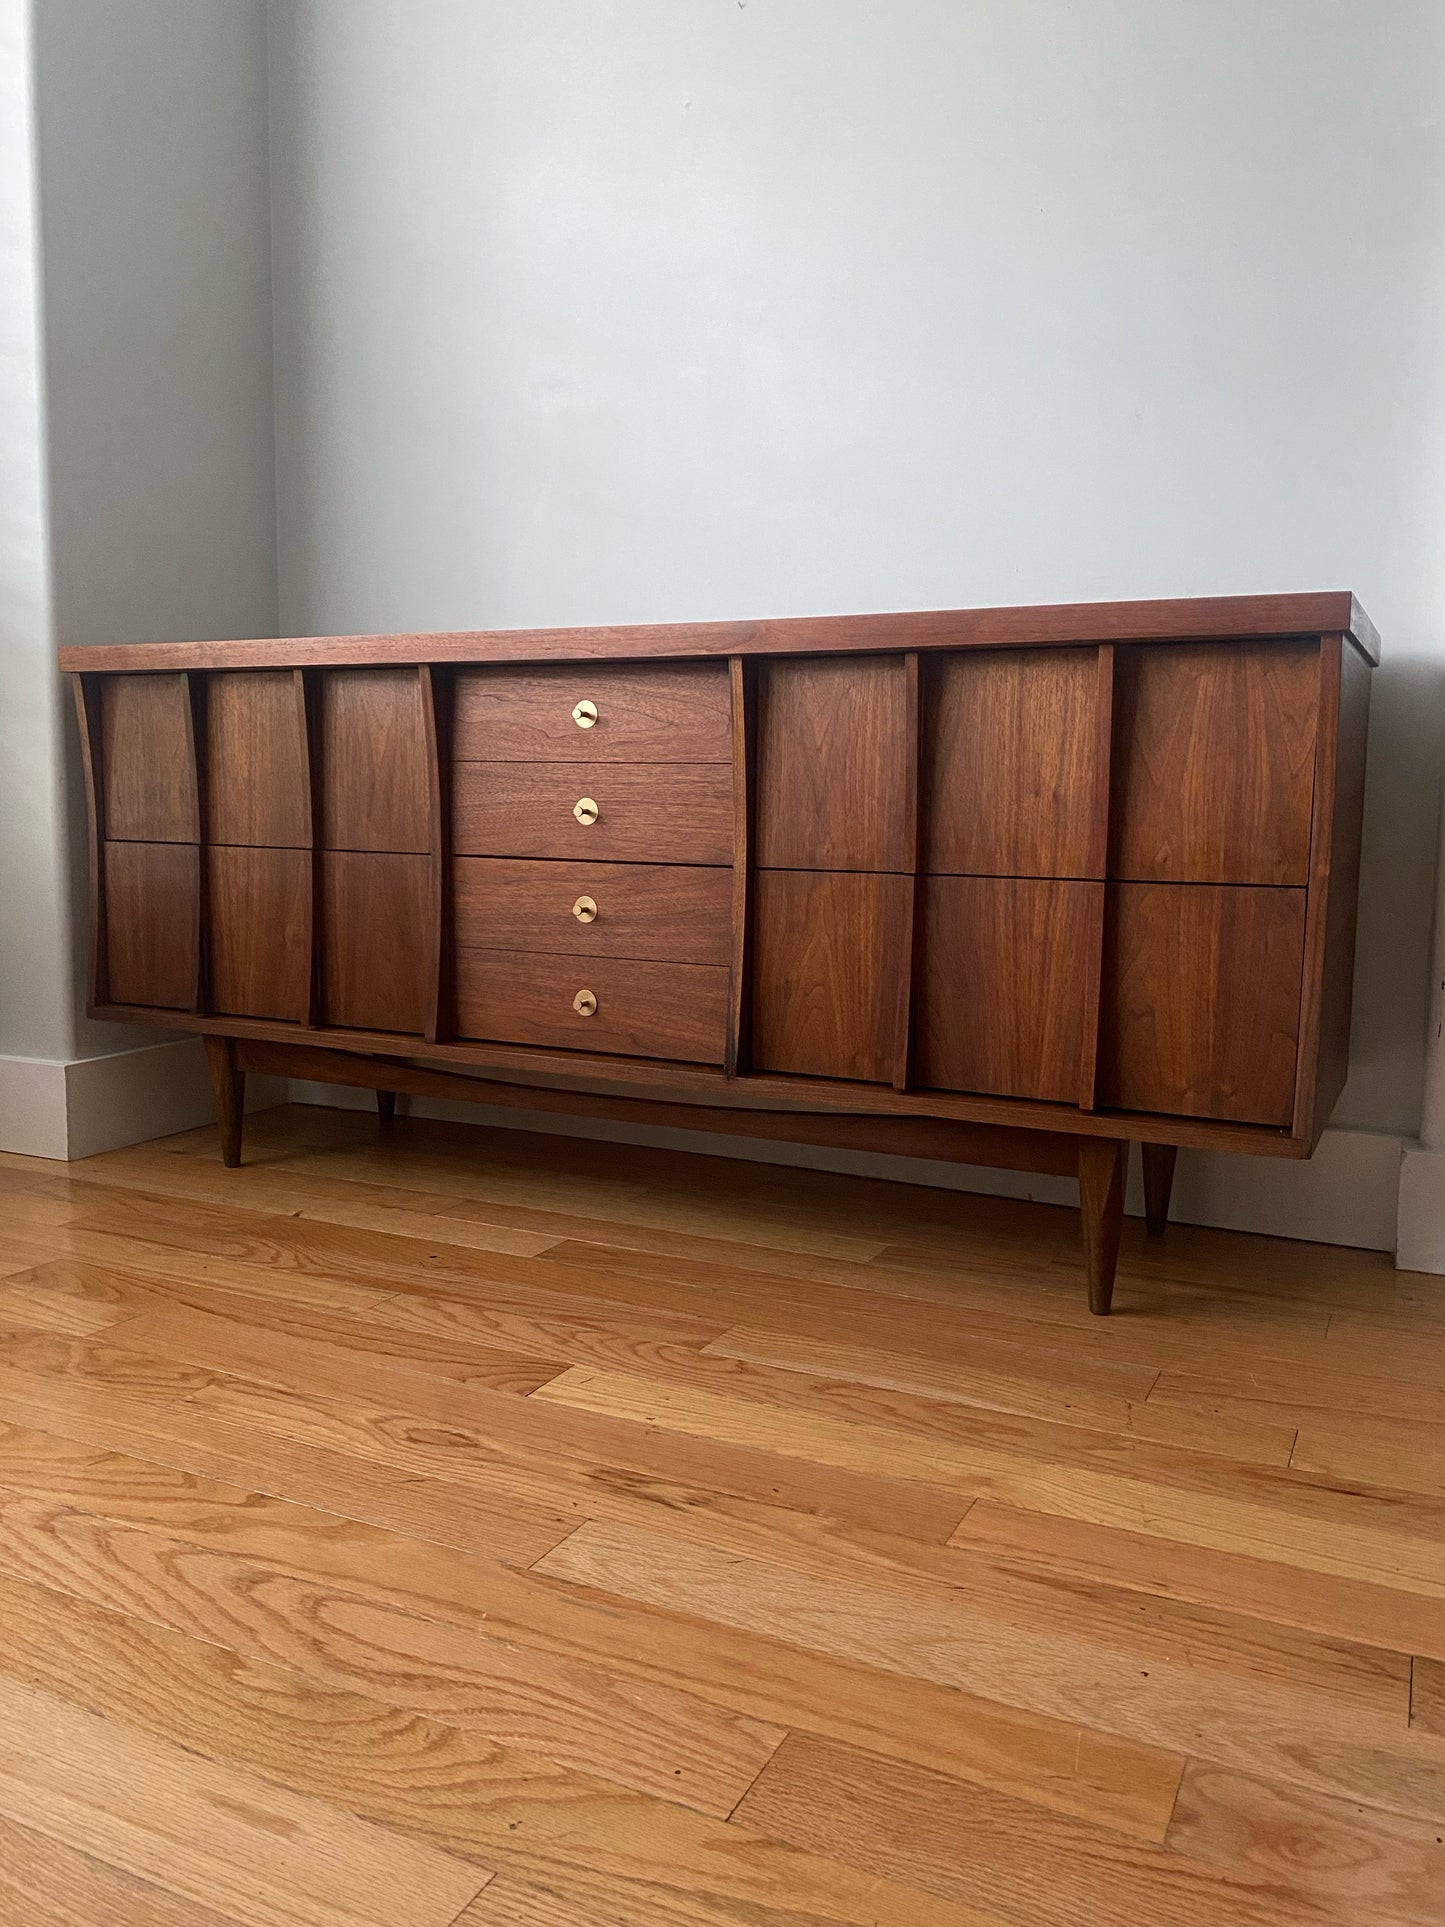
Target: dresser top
1181, 619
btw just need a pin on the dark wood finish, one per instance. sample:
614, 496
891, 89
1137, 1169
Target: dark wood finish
1102, 1166
153, 897
1202, 1004
679, 713
260, 932
148, 760
86, 692
386, 1108
1339, 796
662, 913
373, 762
1014, 750
1052, 1152
1159, 1162
258, 779
647, 812
1086, 871
376, 949
438, 702
834, 780
657, 1010
228, 1082
828, 954
757, 1090
742, 693
1214, 763
1003, 984
1036, 625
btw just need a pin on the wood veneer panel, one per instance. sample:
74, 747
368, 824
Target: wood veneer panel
675, 714
829, 951
661, 912
1013, 752
1334, 886
86, 691
148, 759
374, 782
259, 908
1201, 1000
153, 911
834, 786
1003, 986
1214, 757
646, 813
258, 777
1190, 618
377, 948
640, 1009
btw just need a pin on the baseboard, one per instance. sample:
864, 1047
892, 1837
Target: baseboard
1421, 1244
53, 1109
1346, 1194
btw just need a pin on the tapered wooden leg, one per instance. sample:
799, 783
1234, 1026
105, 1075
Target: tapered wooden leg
229, 1084
386, 1106
1158, 1183
1102, 1163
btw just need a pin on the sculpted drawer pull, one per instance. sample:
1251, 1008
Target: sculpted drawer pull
584, 1003
584, 910
585, 810
585, 714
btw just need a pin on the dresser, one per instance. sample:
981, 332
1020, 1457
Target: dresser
1012, 887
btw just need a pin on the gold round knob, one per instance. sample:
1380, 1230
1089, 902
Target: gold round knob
585, 714
585, 810
584, 910
584, 1003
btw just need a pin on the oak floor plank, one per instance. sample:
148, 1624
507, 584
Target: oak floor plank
591, 1843
1126, 1786
209, 1832
984, 1850
44, 1883
1357, 1610
1323, 1714
1427, 1695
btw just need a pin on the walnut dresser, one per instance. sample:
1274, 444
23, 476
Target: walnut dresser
1003, 886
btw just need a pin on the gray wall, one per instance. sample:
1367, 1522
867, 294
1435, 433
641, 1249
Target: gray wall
151, 120
643, 309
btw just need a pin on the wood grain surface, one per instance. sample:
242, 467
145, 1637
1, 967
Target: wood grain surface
467, 1526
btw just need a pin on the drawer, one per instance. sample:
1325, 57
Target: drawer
644, 813
1200, 1004
152, 923
660, 912
581, 713
835, 764
636, 1009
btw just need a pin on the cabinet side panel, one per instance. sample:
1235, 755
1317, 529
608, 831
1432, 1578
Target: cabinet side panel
1335, 878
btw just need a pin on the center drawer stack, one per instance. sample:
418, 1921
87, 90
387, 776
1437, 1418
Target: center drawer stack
593, 845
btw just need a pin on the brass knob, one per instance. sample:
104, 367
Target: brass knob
584, 1003
585, 714
585, 810
584, 910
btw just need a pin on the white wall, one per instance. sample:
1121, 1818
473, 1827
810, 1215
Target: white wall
646, 309
137, 484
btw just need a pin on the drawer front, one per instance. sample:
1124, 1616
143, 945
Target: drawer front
633, 1009
834, 764
579, 713
1201, 1000
659, 912
153, 923
644, 813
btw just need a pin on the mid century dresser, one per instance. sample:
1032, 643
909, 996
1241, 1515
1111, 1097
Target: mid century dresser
1010, 886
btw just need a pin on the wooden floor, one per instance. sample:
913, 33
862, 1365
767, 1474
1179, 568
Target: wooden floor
456, 1526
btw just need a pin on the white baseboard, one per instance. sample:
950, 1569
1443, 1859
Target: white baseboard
53, 1109
1421, 1244
1346, 1194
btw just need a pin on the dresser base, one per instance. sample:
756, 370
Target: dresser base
1099, 1163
